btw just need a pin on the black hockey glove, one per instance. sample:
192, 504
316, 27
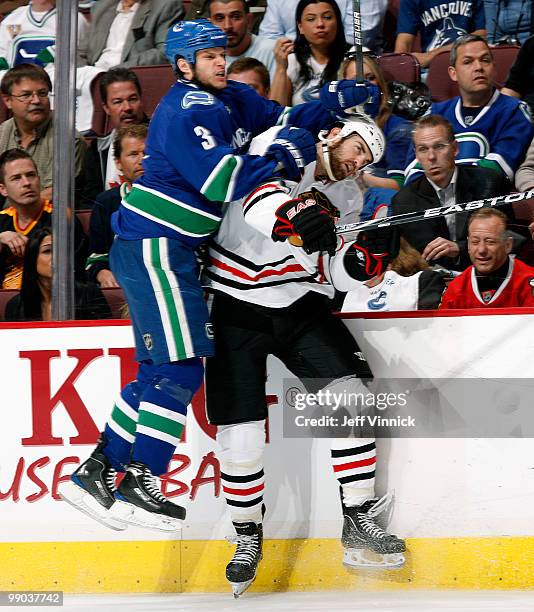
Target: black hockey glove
370, 255
304, 218
293, 149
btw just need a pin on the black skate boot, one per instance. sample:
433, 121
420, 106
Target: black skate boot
139, 501
366, 543
241, 570
92, 486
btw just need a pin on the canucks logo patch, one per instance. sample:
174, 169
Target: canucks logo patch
378, 302
197, 97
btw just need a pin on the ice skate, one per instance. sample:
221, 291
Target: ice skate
139, 501
366, 543
241, 571
91, 488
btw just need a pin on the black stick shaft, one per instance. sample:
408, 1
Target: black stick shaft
358, 47
433, 213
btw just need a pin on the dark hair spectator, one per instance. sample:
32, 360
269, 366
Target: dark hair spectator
34, 302
315, 56
118, 75
12, 155
253, 72
24, 71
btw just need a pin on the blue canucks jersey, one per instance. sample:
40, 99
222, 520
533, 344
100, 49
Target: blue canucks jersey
195, 161
497, 137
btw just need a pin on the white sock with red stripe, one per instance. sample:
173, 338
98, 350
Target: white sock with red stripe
354, 463
241, 458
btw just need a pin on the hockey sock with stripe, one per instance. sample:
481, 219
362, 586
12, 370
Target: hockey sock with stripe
241, 457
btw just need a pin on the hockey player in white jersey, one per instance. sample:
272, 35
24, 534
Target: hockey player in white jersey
272, 298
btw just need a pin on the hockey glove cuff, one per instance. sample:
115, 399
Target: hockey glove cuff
293, 149
370, 255
344, 97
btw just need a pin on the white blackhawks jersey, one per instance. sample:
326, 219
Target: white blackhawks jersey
247, 264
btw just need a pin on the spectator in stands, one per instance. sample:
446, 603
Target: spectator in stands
407, 284
252, 72
200, 9
495, 280
128, 151
34, 302
233, 17
524, 177
129, 32
489, 127
443, 240
25, 90
24, 214
279, 21
508, 21
120, 91
28, 34
384, 179
314, 58
439, 23
520, 82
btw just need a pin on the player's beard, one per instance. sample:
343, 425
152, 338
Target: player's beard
336, 165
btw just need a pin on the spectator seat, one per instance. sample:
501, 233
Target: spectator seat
5, 296
84, 217
400, 67
116, 301
155, 82
440, 84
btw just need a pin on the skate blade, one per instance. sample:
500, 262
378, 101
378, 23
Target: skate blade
238, 588
84, 502
133, 515
361, 557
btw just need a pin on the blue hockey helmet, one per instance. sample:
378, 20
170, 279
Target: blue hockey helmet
185, 38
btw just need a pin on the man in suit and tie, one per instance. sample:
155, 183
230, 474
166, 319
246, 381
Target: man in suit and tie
129, 32
443, 240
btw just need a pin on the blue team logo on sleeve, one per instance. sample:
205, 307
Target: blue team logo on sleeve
197, 97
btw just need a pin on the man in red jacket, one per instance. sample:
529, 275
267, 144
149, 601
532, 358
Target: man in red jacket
495, 280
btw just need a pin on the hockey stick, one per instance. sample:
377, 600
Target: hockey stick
434, 213
423, 215
358, 48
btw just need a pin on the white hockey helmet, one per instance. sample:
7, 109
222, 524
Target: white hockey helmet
359, 124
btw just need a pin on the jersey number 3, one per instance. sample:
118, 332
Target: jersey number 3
208, 142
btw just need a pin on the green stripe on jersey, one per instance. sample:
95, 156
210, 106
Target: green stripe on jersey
170, 212
219, 185
168, 298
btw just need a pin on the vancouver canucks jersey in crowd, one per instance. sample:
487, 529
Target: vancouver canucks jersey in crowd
194, 159
440, 22
495, 136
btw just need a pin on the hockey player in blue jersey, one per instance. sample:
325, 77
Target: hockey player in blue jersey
492, 130
193, 163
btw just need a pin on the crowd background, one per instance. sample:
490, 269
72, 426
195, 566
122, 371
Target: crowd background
286, 51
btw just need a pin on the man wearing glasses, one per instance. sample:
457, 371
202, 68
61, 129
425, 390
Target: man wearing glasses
25, 90
443, 240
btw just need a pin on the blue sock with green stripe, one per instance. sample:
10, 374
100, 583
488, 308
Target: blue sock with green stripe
163, 410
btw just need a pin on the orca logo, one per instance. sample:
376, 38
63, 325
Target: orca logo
209, 331
197, 97
378, 302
